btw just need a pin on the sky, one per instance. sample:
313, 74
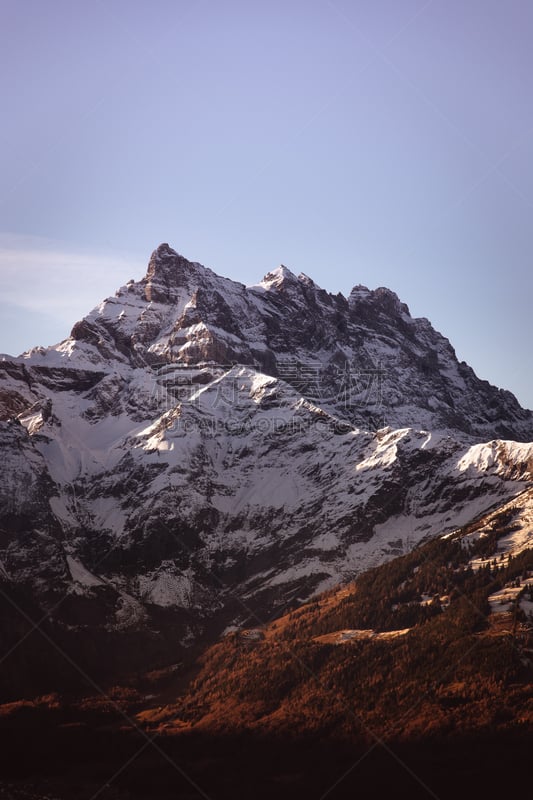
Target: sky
377, 142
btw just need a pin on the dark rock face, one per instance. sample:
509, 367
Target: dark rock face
30, 535
198, 451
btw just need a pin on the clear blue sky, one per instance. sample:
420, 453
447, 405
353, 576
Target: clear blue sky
384, 142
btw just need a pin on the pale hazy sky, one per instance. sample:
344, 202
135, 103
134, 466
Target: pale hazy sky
383, 142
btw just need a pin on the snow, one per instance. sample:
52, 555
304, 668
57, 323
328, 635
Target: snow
165, 587
520, 538
483, 457
228, 630
33, 421
392, 634
385, 450
80, 446
62, 511
277, 489
81, 575
275, 279
413, 527
107, 514
346, 636
326, 541
503, 599
306, 568
350, 635
253, 635
434, 439
426, 600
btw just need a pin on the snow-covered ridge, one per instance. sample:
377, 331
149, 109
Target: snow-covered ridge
364, 358
496, 455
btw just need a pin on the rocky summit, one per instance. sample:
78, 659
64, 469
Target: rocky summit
199, 454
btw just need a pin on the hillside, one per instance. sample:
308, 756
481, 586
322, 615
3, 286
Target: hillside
436, 642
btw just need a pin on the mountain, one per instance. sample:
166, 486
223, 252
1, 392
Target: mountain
198, 453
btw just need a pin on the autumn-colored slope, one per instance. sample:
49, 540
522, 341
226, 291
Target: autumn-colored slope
410, 649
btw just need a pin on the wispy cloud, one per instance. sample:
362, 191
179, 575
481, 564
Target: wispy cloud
42, 275
52, 285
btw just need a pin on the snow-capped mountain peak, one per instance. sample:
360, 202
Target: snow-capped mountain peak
194, 433
281, 277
